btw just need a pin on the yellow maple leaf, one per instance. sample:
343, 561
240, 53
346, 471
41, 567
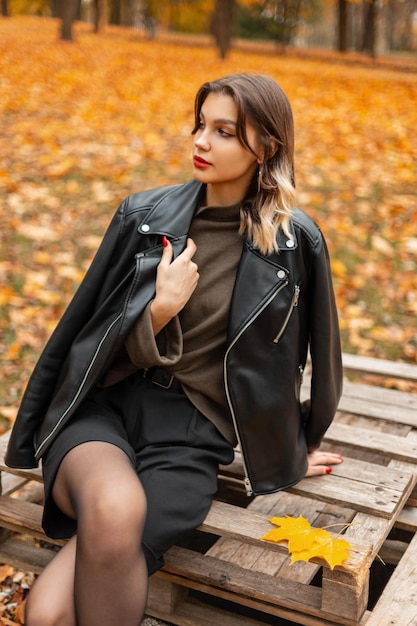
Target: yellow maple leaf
306, 543
333, 551
288, 528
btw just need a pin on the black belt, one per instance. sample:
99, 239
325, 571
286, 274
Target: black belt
162, 378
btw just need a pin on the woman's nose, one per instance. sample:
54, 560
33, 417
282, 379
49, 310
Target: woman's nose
201, 141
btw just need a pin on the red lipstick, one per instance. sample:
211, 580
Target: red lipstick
200, 163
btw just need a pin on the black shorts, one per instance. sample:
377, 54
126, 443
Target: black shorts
174, 449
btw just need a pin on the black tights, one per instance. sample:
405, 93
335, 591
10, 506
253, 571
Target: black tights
99, 578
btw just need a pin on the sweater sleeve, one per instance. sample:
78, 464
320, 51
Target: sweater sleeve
145, 350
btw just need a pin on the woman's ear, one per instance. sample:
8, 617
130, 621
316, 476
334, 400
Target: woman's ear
268, 151
273, 147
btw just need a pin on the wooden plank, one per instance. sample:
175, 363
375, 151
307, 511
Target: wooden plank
371, 440
227, 576
407, 519
398, 400
253, 588
379, 367
318, 514
369, 530
367, 487
194, 612
191, 611
23, 517
10, 482
243, 525
378, 410
397, 605
25, 555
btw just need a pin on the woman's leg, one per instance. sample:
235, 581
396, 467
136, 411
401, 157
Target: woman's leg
97, 485
51, 599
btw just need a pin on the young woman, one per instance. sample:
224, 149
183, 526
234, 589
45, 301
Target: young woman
188, 335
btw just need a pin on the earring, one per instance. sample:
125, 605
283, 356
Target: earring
259, 177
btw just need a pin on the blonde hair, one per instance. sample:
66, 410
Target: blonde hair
270, 199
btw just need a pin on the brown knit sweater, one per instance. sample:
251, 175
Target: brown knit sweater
192, 345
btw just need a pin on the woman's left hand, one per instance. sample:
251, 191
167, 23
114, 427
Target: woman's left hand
320, 462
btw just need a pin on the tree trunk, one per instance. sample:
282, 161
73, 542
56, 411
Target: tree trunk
66, 11
54, 8
4, 8
368, 41
222, 25
115, 11
342, 25
101, 18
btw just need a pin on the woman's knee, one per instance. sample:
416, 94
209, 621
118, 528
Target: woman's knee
112, 523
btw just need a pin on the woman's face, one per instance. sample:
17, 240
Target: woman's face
219, 159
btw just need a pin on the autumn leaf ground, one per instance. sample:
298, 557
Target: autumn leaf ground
84, 124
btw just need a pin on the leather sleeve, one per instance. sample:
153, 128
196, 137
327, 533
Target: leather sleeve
325, 349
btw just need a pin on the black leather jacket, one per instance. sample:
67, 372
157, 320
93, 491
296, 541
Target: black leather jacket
282, 304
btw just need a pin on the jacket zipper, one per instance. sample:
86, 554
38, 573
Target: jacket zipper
294, 303
247, 481
114, 322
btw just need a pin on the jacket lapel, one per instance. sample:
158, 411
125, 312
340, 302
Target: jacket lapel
172, 214
258, 278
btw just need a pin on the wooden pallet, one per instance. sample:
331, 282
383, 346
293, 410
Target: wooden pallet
226, 575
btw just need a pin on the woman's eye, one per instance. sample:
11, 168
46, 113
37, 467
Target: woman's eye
224, 133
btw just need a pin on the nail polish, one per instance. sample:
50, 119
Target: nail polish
164, 241
328, 470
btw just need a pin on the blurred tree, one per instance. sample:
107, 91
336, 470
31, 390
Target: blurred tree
278, 20
4, 8
222, 25
114, 11
67, 11
399, 23
342, 25
369, 27
101, 15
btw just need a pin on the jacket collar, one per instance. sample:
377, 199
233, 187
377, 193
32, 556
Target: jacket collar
171, 215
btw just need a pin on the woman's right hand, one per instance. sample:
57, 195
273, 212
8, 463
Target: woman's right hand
175, 282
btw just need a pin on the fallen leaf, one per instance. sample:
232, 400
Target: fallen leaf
306, 543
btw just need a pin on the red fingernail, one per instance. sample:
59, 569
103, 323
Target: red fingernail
164, 241
328, 470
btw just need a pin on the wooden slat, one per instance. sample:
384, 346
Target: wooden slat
280, 504
398, 603
24, 517
378, 410
24, 555
379, 367
394, 398
366, 487
191, 611
242, 525
407, 519
371, 440
253, 589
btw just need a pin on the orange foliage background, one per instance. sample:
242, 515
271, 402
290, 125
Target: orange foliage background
84, 124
